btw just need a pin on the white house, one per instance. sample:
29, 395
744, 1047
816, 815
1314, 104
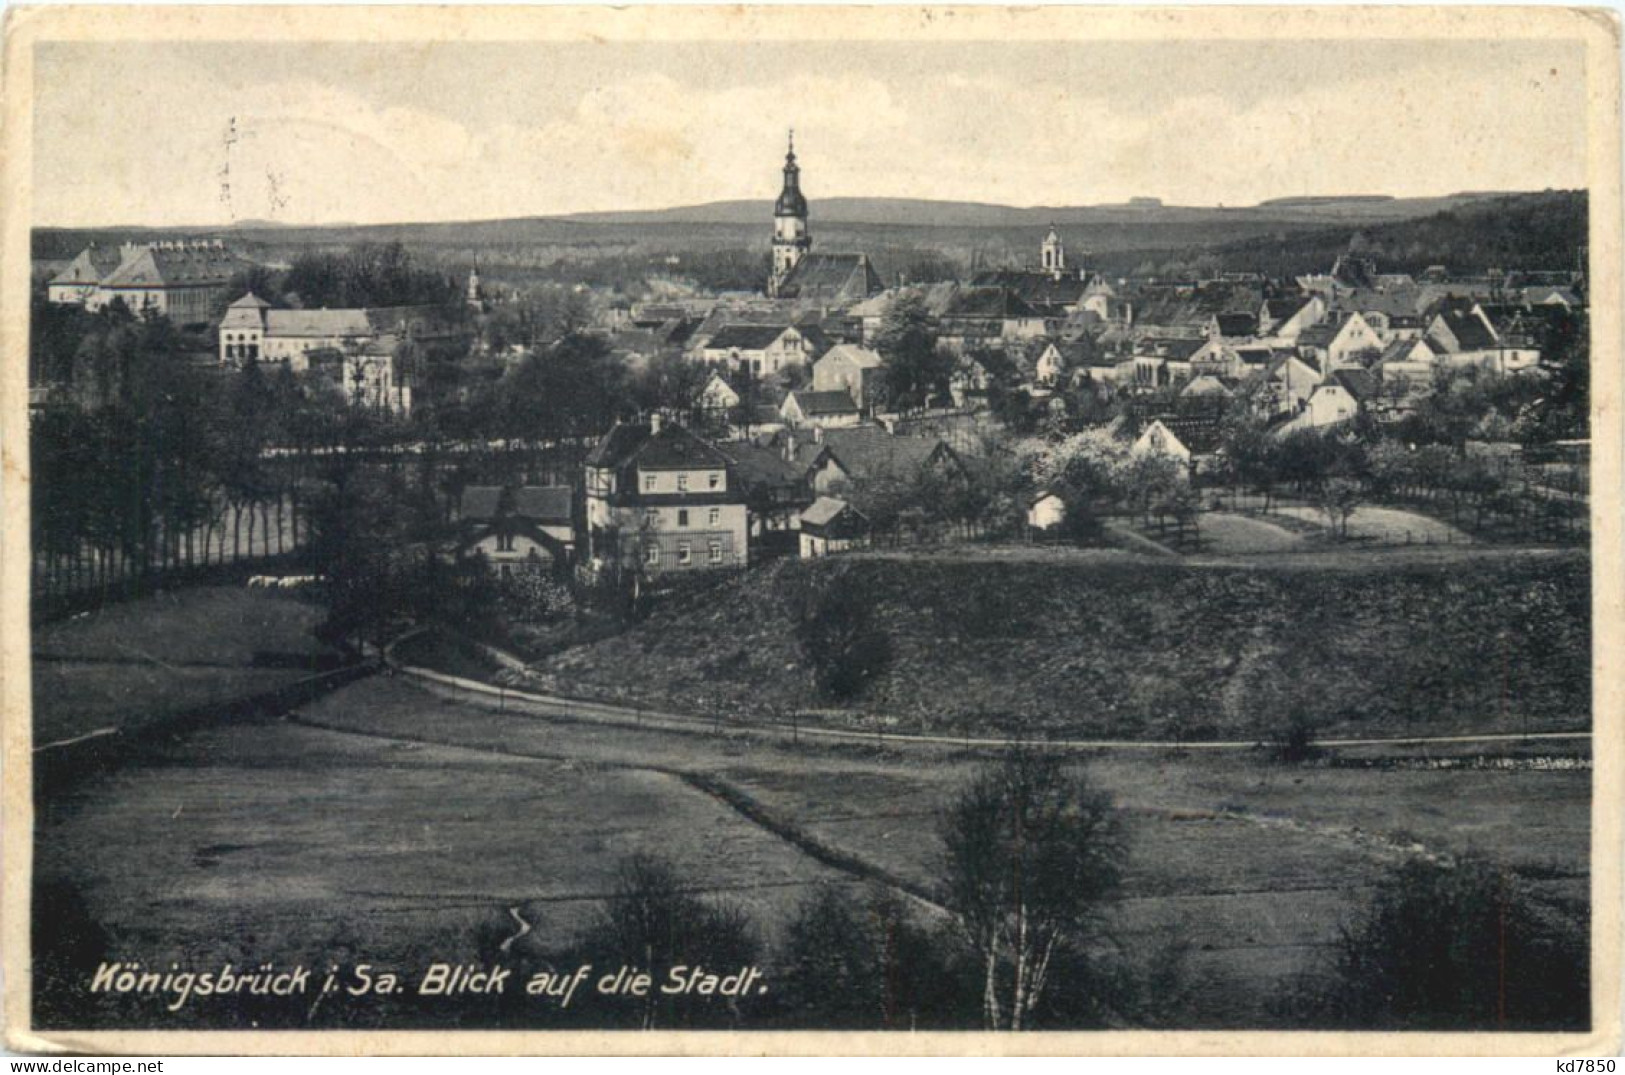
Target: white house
761, 349
1341, 341
718, 396
1046, 512
661, 497
1339, 398
850, 369
834, 409
832, 525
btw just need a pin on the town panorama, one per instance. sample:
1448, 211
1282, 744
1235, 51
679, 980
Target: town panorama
1144, 617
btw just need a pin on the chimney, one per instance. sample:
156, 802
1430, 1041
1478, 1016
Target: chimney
818, 434
789, 446
654, 423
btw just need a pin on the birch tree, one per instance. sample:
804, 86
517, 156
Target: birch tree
1032, 856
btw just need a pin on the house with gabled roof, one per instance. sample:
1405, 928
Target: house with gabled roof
832, 525
1232, 325
77, 281
805, 407
1284, 386
980, 315
1339, 398
1411, 359
852, 462
776, 492
848, 368
831, 279
1192, 441
528, 529
179, 280
1285, 318
662, 499
1464, 336
763, 350
1342, 340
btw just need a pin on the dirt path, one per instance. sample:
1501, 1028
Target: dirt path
574, 709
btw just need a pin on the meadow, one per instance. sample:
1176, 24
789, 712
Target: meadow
397, 825
136, 662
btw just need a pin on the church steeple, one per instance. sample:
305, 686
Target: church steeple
791, 236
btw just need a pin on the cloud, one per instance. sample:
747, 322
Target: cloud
320, 140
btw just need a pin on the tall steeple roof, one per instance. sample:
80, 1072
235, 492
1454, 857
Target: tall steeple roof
791, 201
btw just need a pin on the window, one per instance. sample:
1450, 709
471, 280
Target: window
682, 483
648, 483
651, 554
682, 517
651, 519
714, 550
715, 516
682, 552
507, 571
714, 480
505, 543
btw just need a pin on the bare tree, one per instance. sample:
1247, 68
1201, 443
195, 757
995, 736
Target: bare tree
1033, 854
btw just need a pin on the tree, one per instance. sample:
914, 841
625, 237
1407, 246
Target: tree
916, 369
858, 961
653, 922
1032, 855
1338, 498
1457, 946
839, 634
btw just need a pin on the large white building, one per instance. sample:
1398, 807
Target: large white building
179, 280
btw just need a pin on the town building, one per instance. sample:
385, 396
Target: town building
661, 498
831, 525
855, 370
822, 279
762, 350
524, 530
183, 281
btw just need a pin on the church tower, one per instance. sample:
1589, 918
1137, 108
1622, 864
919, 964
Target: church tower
791, 238
1052, 253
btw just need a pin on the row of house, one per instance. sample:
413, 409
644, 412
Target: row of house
181, 280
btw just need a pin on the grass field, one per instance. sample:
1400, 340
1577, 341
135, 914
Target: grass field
1106, 645
141, 660
393, 825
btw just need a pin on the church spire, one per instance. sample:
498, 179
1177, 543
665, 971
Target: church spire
791, 201
791, 236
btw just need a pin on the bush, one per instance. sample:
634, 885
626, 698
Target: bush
842, 642
652, 921
1294, 741
860, 962
1456, 947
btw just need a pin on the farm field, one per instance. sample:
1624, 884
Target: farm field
140, 660
390, 823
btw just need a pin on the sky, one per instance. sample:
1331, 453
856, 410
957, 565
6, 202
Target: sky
139, 133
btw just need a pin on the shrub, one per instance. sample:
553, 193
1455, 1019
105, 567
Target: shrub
654, 922
859, 961
1457, 947
1294, 740
840, 637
